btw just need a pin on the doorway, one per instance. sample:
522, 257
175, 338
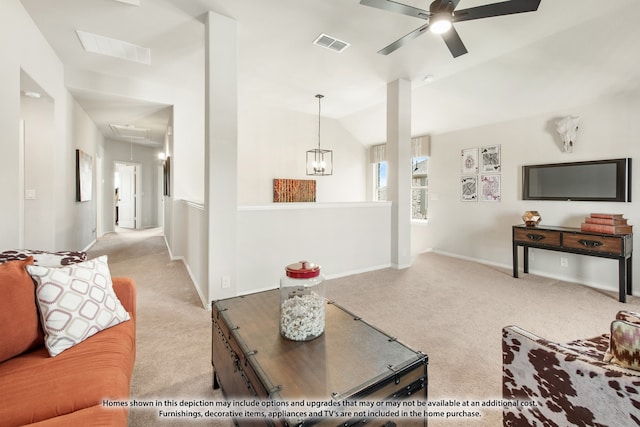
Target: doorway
127, 190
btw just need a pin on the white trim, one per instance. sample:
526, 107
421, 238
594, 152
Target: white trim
284, 206
171, 257
195, 205
86, 249
327, 277
254, 291
194, 282
358, 271
400, 266
21, 185
546, 274
478, 260
206, 304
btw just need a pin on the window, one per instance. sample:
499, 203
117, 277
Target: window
419, 188
420, 150
381, 181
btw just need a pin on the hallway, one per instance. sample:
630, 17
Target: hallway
173, 348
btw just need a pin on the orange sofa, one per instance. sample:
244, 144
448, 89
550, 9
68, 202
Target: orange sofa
70, 388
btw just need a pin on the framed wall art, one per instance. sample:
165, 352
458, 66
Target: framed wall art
469, 161
84, 176
490, 188
469, 188
490, 158
294, 190
166, 176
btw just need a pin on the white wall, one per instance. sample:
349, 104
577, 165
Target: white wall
39, 230
191, 247
273, 144
68, 225
80, 227
34, 55
482, 230
344, 238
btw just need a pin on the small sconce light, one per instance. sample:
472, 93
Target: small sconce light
162, 157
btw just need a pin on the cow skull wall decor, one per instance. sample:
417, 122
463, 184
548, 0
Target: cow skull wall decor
567, 127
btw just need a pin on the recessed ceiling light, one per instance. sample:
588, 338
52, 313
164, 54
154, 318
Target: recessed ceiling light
429, 78
102, 45
329, 42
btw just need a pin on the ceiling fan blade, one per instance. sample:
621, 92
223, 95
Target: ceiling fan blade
403, 40
496, 9
454, 42
392, 6
440, 5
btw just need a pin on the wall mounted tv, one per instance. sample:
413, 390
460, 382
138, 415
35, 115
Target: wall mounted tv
596, 181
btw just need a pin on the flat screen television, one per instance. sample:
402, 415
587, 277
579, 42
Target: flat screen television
596, 181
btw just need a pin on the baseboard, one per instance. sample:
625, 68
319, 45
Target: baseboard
358, 271
205, 304
594, 285
253, 291
171, 256
546, 274
90, 245
472, 259
400, 266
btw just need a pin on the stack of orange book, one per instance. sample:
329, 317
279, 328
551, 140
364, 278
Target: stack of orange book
606, 223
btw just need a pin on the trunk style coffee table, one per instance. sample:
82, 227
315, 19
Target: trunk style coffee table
350, 364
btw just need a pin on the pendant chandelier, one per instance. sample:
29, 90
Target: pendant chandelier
319, 161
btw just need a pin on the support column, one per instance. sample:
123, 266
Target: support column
399, 170
221, 153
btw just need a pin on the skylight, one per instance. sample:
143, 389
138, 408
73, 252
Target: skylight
102, 45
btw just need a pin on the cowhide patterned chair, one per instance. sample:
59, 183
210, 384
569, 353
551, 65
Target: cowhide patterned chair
590, 382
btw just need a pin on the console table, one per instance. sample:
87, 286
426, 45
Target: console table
575, 241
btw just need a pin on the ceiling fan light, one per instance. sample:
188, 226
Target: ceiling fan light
440, 24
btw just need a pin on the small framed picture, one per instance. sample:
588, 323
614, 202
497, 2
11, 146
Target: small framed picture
469, 188
490, 158
490, 188
469, 158
84, 176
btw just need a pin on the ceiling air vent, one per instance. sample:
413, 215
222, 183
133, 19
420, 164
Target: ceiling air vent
324, 40
130, 131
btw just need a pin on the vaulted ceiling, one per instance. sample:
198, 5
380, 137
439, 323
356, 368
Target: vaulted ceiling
566, 53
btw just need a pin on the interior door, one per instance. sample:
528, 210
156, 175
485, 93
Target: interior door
127, 196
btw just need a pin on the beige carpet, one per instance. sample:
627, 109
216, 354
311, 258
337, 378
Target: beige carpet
452, 310
173, 355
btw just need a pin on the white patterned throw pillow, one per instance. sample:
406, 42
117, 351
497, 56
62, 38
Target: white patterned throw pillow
75, 301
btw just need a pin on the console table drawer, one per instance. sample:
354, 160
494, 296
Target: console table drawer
604, 244
533, 236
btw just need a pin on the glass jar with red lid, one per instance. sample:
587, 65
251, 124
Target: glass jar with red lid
302, 302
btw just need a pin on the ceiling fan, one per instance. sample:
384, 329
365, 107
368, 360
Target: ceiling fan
442, 14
